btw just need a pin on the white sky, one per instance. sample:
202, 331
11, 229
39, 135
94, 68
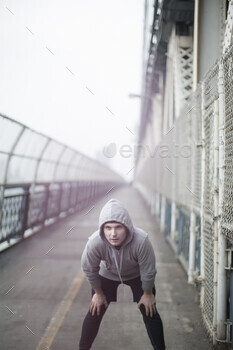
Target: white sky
53, 52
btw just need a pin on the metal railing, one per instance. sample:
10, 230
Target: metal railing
27, 207
42, 179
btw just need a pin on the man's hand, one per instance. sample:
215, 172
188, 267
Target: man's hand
148, 300
97, 301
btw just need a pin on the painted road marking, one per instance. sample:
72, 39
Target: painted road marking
56, 322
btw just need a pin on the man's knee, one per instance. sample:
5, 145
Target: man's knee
155, 316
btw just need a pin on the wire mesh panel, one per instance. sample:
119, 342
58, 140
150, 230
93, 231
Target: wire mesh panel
182, 226
14, 213
65, 196
38, 205
198, 246
196, 157
209, 163
227, 216
54, 200
211, 86
228, 37
208, 305
210, 94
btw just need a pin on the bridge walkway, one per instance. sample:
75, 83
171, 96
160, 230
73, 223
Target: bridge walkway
44, 296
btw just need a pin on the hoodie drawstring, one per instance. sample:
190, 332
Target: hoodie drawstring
117, 266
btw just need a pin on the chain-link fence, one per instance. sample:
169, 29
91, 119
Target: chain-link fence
227, 217
186, 176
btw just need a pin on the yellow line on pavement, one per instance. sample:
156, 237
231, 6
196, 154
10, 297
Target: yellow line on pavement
56, 321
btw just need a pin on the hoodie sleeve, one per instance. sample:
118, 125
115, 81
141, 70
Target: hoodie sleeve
146, 261
90, 262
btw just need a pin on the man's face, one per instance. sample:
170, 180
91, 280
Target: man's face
115, 233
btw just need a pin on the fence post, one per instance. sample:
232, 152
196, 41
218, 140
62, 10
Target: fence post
222, 276
216, 213
203, 158
192, 248
26, 208
231, 296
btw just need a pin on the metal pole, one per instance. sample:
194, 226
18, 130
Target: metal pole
202, 272
222, 255
216, 199
231, 298
193, 219
192, 248
195, 45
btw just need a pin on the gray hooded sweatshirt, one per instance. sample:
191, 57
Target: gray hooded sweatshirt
134, 258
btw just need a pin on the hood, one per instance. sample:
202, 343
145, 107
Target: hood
114, 210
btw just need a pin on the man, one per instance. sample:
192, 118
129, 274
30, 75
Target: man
120, 253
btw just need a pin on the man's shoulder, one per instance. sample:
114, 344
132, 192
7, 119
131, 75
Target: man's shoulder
141, 242
95, 239
95, 235
139, 234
